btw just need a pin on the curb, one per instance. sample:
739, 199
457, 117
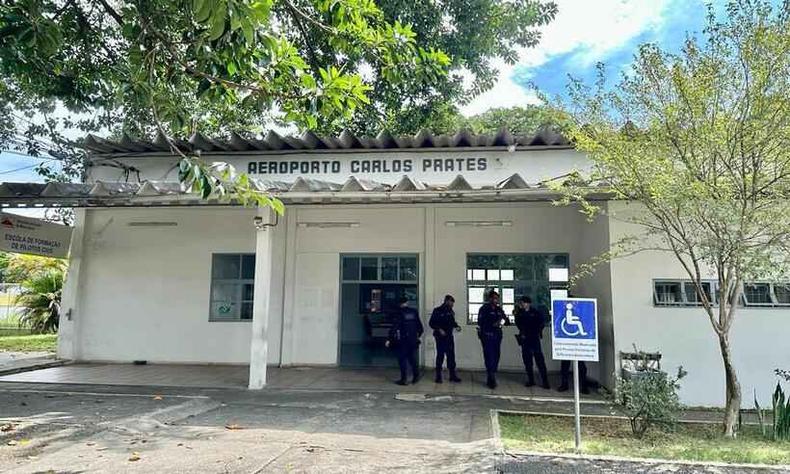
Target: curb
602, 457
28, 368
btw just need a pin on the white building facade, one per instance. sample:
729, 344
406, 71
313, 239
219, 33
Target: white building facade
159, 275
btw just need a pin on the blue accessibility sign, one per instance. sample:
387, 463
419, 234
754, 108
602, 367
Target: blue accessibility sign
574, 319
574, 329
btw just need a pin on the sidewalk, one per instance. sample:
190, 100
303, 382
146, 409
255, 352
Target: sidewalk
16, 362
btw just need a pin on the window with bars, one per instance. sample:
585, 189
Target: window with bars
683, 293
539, 276
232, 287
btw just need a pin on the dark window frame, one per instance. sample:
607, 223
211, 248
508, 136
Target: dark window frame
239, 282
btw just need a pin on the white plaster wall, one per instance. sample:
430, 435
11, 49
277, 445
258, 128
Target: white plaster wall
145, 294
536, 228
312, 311
685, 337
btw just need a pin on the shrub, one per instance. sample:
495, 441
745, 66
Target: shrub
650, 398
780, 420
39, 299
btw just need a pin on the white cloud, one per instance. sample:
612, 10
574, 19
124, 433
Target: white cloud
588, 29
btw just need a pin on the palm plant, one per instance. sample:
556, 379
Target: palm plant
40, 298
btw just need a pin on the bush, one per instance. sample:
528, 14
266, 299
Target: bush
780, 420
39, 300
650, 398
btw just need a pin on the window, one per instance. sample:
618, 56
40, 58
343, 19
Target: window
757, 294
782, 293
766, 294
372, 268
683, 293
539, 276
232, 287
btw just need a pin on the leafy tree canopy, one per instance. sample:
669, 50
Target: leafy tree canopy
701, 140
69, 67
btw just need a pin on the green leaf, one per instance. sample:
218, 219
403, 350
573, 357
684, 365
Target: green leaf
218, 21
202, 9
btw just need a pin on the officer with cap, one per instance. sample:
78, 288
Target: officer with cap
530, 323
443, 324
490, 320
405, 335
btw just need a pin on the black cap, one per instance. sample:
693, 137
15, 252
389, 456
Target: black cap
449, 298
492, 293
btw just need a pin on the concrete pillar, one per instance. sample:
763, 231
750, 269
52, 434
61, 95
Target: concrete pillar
68, 325
259, 346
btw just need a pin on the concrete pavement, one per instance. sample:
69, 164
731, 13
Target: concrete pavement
99, 428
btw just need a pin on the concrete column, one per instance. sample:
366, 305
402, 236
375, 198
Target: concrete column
259, 346
68, 326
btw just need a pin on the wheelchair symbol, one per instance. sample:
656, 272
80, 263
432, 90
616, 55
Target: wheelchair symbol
572, 321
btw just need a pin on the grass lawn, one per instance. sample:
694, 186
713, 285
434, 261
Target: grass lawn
694, 442
29, 343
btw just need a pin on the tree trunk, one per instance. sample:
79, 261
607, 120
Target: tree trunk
733, 388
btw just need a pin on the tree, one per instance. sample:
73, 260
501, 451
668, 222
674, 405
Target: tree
70, 67
40, 298
524, 120
701, 140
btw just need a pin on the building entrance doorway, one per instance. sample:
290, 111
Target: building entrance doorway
371, 286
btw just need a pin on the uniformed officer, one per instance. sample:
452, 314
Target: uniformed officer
443, 324
405, 336
530, 323
490, 320
565, 374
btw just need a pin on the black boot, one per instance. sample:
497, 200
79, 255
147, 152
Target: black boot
416, 378
401, 382
454, 378
529, 383
563, 386
438, 378
491, 382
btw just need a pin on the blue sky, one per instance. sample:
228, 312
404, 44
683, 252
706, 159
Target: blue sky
586, 32
16, 167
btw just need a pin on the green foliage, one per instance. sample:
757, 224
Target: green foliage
219, 65
21, 267
650, 398
221, 181
40, 299
517, 120
699, 141
781, 414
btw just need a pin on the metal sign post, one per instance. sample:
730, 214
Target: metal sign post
576, 409
574, 337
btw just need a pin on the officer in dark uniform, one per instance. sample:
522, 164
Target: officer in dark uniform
405, 336
530, 323
565, 374
490, 320
443, 324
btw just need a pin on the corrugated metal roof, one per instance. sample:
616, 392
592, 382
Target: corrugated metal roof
106, 194
309, 141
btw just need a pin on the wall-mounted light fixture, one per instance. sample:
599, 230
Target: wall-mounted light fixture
257, 221
478, 223
152, 224
328, 225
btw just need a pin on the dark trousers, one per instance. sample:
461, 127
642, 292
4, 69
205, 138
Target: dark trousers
565, 374
531, 350
407, 356
491, 350
445, 346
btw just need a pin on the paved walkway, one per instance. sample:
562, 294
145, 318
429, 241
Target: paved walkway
13, 362
99, 428
217, 376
